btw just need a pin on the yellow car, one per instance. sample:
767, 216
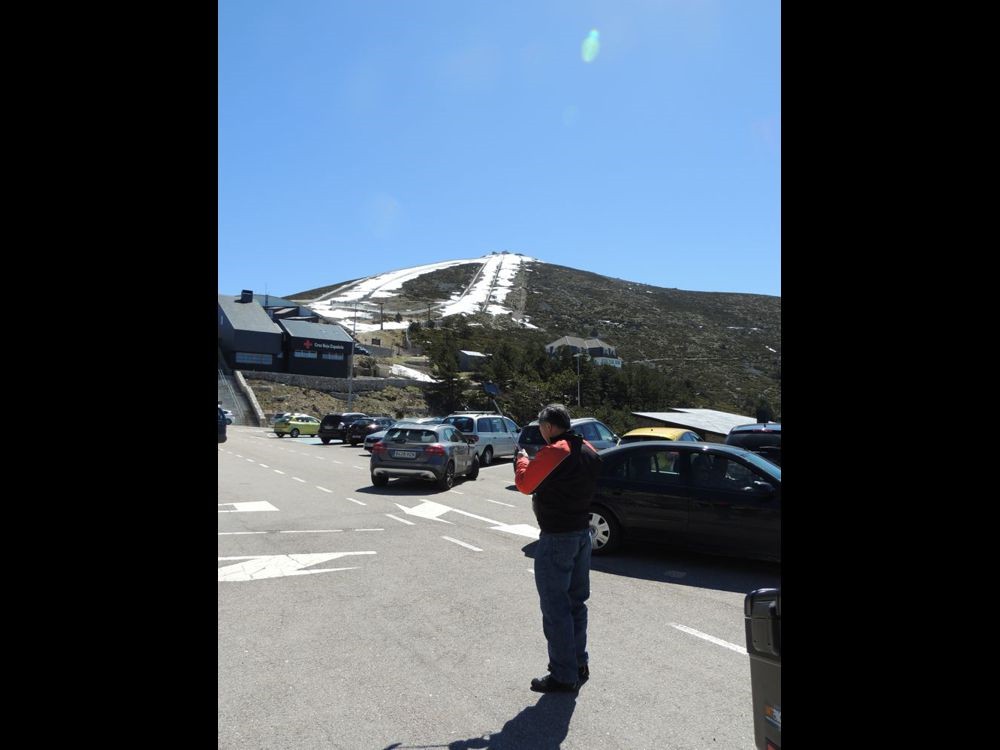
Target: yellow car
659, 433
295, 425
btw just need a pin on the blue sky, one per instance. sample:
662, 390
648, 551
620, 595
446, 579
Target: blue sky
362, 136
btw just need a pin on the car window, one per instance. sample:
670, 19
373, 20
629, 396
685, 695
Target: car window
588, 430
718, 472
603, 432
530, 435
465, 424
511, 425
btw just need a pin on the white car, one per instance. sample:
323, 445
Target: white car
229, 416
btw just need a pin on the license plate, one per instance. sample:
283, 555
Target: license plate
404, 454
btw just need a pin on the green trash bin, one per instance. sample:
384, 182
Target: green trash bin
762, 617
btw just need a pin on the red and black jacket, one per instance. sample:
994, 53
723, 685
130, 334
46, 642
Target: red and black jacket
561, 479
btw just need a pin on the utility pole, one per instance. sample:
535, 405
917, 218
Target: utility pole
578, 378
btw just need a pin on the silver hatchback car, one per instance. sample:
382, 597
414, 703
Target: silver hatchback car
436, 452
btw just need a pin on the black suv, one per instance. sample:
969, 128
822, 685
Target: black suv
763, 438
334, 426
359, 429
222, 425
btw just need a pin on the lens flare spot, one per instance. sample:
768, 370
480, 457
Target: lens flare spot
590, 47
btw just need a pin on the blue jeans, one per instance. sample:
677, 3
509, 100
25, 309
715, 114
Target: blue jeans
562, 577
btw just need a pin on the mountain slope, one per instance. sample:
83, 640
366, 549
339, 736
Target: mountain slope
725, 347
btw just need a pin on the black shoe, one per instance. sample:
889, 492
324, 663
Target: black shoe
583, 672
548, 684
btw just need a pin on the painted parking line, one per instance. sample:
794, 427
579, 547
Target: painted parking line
401, 520
251, 507
497, 502
299, 480
463, 544
710, 638
278, 471
355, 501
324, 489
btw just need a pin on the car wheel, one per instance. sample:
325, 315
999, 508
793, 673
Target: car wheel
326, 441
295, 432
447, 480
474, 471
228, 420
605, 531
353, 443
380, 480
487, 458
280, 434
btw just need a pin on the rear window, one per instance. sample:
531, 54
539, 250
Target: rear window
410, 435
531, 435
753, 441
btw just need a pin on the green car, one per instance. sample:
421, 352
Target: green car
295, 425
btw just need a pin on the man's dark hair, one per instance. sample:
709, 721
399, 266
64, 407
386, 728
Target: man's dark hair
555, 414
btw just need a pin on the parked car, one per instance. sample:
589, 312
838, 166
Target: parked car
693, 495
334, 426
229, 416
280, 415
659, 433
593, 431
295, 425
359, 429
222, 425
374, 437
494, 434
763, 438
435, 452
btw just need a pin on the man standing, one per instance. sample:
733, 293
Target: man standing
561, 479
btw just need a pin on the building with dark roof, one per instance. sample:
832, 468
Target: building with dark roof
317, 349
248, 338
600, 352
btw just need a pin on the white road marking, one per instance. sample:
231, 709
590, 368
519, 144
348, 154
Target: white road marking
355, 501
456, 492
710, 638
520, 529
251, 460
431, 510
279, 566
463, 544
428, 510
369, 529
299, 480
235, 533
265, 466
337, 462
252, 507
324, 489
499, 503
401, 520
237, 455
473, 515
311, 531
357, 467
278, 471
